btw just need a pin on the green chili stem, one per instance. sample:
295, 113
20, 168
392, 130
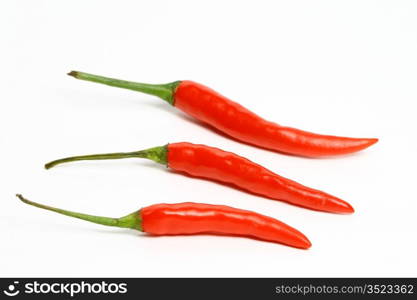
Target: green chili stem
157, 154
132, 220
163, 91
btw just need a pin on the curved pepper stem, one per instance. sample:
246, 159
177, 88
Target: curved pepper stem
157, 154
133, 220
163, 91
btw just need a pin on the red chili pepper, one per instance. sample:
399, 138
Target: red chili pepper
236, 121
196, 218
216, 164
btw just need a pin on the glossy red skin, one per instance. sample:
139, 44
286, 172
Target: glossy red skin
235, 120
216, 164
198, 218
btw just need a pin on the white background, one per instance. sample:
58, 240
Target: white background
335, 67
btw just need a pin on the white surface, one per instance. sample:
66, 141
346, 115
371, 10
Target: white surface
335, 67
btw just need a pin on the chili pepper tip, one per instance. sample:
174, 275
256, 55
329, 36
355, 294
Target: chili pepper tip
340, 206
305, 243
369, 142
